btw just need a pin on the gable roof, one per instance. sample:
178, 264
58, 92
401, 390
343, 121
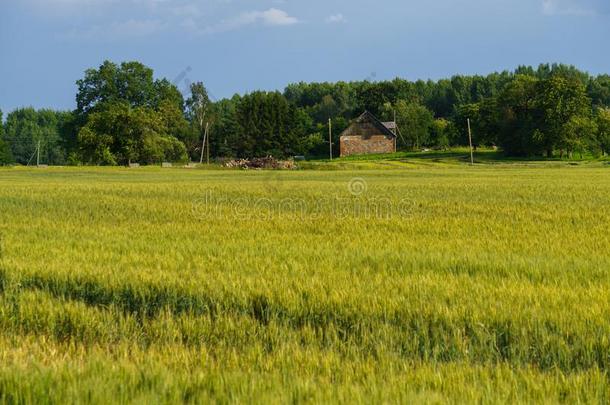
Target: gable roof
368, 118
389, 125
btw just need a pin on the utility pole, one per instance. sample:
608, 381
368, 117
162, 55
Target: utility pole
201, 116
205, 136
395, 130
38, 154
470, 141
207, 142
330, 137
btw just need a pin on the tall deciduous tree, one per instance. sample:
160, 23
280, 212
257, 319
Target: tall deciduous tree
198, 110
440, 133
123, 134
125, 115
599, 90
519, 116
130, 82
414, 121
603, 130
559, 99
579, 134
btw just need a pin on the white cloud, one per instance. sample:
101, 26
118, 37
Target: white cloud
575, 7
136, 18
336, 19
278, 17
271, 17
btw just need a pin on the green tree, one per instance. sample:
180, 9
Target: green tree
371, 97
519, 116
484, 122
439, 132
579, 135
225, 139
199, 109
107, 136
156, 149
121, 134
603, 126
27, 129
130, 82
166, 92
5, 152
269, 125
488, 124
599, 90
174, 120
415, 122
559, 99
95, 145
327, 108
464, 113
68, 134
124, 115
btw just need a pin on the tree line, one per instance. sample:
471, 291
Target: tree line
124, 115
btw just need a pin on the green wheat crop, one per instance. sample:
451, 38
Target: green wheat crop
483, 284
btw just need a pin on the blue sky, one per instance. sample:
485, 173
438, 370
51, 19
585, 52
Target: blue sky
244, 45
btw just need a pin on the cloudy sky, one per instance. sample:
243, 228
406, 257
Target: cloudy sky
244, 45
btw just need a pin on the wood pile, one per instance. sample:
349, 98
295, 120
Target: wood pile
268, 162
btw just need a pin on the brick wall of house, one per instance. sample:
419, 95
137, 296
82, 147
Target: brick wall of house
359, 145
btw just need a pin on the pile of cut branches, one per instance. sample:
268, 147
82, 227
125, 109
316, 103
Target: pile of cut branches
268, 162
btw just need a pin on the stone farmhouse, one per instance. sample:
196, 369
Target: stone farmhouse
368, 135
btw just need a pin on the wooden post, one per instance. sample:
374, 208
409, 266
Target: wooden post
207, 142
395, 130
202, 149
330, 137
38, 154
470, 141
205, 135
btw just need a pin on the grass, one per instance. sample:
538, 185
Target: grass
457, 156
476, 284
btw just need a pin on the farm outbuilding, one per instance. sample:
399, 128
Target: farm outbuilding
368, 135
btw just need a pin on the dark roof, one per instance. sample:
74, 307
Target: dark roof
389, 125
367, 125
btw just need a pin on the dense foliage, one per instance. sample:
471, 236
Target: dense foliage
128, 116
125, 115
554, 108
5, 152
25, 129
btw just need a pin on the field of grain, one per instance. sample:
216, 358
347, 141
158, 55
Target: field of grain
431, 284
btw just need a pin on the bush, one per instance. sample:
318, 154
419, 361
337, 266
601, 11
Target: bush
157, 149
